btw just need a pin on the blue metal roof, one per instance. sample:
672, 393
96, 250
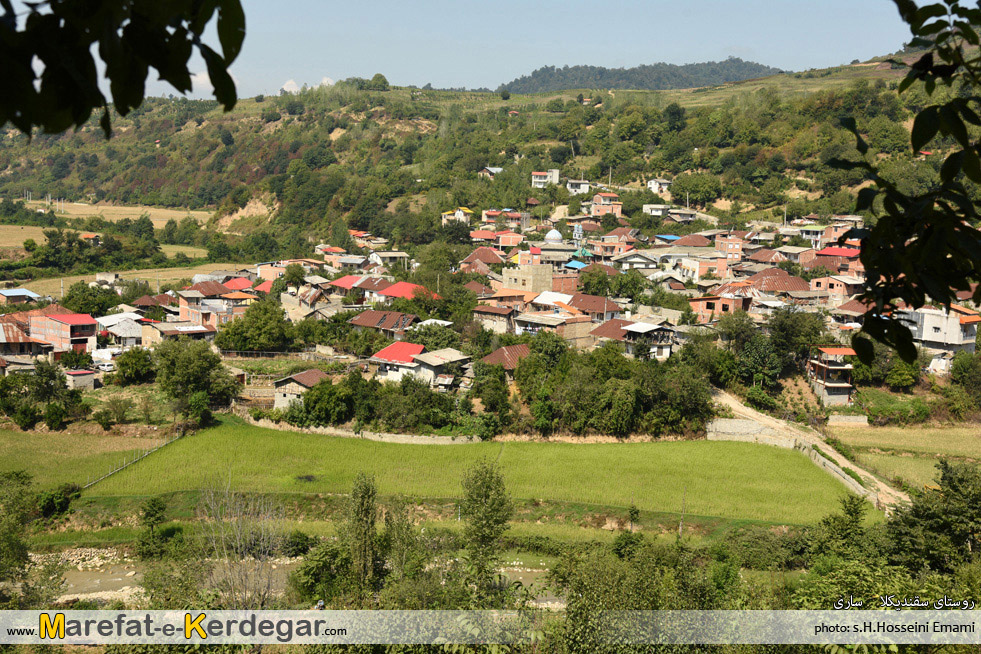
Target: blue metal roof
576, 265
668, 237
18, 292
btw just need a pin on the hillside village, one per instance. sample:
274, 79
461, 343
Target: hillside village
527, 278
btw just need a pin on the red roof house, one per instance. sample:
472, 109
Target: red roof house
835, 251
238, 284
400, 352
407, 290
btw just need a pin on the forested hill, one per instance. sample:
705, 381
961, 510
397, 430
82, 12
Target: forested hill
278, 172
654, 77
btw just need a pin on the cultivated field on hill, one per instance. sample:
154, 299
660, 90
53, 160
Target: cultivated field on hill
13, 236
52, 286
910, 454
158, 215
58, 458
733, 481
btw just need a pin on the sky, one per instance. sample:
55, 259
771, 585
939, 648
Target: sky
463, 43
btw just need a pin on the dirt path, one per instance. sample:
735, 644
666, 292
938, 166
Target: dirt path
886, 495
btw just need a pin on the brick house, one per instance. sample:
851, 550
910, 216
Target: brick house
604, 203
840, 287
710, 307
71, 331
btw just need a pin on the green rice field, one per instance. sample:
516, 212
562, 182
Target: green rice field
731, 481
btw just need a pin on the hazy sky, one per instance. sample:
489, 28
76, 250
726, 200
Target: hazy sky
453, 43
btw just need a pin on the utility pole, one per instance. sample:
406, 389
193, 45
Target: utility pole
681, 523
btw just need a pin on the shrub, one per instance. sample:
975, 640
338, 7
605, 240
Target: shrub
296, 414
760, 399
150, 545
26, 416
841, 448
198, 408
761, 548
884, 408
55, 502
854, 475
965, 371
297, 543
490, 426
626, 544
258, 413
118, 406
54, 416
956, 402
104, 418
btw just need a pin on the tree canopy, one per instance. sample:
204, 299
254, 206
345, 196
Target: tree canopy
129, 38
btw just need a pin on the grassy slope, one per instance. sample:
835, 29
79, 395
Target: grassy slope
727, 480
56, 458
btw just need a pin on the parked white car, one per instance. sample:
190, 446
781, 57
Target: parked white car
108, 366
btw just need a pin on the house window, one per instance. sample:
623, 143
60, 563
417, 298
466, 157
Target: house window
710, 306
936, 330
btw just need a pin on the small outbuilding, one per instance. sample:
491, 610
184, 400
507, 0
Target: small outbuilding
83, 380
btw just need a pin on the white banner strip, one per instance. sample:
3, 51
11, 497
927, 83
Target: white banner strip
487, 627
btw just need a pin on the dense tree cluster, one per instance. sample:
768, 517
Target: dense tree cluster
653, 76
27, 398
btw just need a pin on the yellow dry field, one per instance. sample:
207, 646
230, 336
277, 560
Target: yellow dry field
111, 212
52, 286
189, 250
13, 236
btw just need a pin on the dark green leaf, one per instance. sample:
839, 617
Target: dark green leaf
231, 28
863, 348
104, 122
951, 167
925, 127
220, 79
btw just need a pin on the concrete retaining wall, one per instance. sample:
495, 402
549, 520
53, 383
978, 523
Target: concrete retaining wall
744, 431
366, 435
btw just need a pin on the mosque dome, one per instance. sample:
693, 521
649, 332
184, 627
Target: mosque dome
553, 236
